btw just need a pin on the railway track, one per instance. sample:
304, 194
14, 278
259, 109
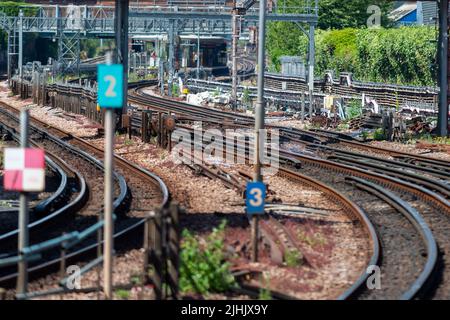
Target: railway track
56, 186
70, 195
410, 198
406, 241
282, 241
135, 196
418, 182
433, 207
401, 244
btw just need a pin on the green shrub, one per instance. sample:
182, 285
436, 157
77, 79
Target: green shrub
353, 109
364, 135
264, 292
378, 135
293, 258
122, 294
203, 268
175, 89
246, 96
405, 55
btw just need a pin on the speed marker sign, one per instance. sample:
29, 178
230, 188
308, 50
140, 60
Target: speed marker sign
255, 197
110, 85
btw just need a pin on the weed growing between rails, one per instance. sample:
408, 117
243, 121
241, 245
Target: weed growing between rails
232, 147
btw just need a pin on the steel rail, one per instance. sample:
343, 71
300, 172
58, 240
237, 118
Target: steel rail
426, 195
351, 209
414, 217
71, 207
433, 185
360, 145
63, 172
437, 173
162, 104
125, 232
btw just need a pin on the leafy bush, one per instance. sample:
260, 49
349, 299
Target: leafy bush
12, 8
123, 294
293, 258
378, 134
353, 109
405, 55
246, 96
264, 292
203, 268
364, 135
175, 89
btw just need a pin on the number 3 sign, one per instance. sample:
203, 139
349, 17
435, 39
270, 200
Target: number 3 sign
110, 85
255, 197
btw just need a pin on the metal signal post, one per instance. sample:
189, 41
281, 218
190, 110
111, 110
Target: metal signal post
22, 278
110, 96
259, 117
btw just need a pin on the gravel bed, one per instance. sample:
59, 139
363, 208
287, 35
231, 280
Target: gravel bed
402, 247
338, 263
411, 148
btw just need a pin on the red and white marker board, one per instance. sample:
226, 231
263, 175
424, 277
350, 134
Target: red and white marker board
24, 169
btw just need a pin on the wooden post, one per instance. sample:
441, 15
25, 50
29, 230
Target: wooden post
144, 127
174, 249
156, 254
160, 129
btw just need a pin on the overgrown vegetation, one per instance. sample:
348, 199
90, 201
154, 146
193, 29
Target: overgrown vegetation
404, 55
246, 96
293, 258
378, 135
428, 138
175, 89
123, 294
353, 109
203, 268
312, 240
134, 77
264, 292
12, 8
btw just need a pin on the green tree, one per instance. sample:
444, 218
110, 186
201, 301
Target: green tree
404, 55
286, 38
339, 14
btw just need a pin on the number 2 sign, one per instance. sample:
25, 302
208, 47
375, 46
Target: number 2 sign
110, 85
255, 197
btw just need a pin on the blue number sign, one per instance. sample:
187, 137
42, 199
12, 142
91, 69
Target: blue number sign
255, 197
110, 85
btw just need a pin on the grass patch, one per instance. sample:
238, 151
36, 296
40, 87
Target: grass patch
428, 138
264, 292
203, 267
123, 294
293, 258
313, 240
378, 135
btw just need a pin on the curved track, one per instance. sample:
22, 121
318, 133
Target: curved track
139, 181
422, 192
